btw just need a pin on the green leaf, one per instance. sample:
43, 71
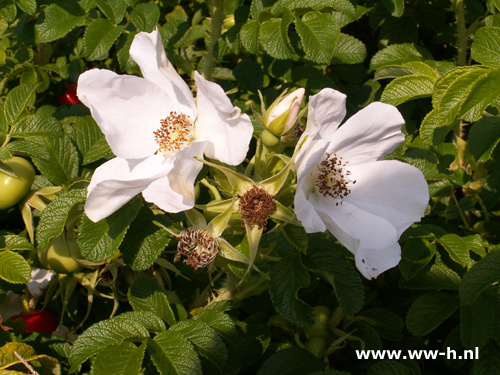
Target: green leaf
14, 268
123, 55
457, 248
296, 235
344, 6
145, 241
173, 354
98, 241
406, 88
56, 158
112, 9
145, 294
100, 149
484, 136
388, 324
249, 75
27, 6
388, 367
483, 274
343, 276
205, 340
465, 93
99, 37
477, 321
273, 35
57, 20
395, 7
85, 133
291, 361
485, 48
145, 16
16, 101
435, 277
220, 322
319, 35
37, 125
55, 215
488, 362
429, 311
112, 331
395, 54
431, 131
415, 255
124, 358
287, 277
409, 68
249, 36
349, 50
14, 242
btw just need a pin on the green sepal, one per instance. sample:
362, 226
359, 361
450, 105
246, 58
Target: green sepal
215, 206
238, 182
196, 219
274, 184
219, 223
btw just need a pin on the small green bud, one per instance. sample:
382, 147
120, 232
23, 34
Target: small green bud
269, 139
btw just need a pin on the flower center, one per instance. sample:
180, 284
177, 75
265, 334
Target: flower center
198, 246
331, 178
255, 206
175, 133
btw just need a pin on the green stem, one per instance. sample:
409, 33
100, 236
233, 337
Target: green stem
212, 188
483, 207
7, 139
462, 38
217, 11
464, 219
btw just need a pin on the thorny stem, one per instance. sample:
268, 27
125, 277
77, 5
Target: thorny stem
212, 188
483, 207
462, 38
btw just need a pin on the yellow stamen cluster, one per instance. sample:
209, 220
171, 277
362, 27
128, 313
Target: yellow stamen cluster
331, 178
198, 246
175, 133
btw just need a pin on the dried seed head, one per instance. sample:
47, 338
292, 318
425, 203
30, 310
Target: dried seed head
255, 206
198, 246
175, 133
331, 178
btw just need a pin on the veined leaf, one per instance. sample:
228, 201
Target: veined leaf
249, 36
477, 321
55, 215
16, 102
123, 358
14, 268
113, 9
484, 136
14, 242
395, 7
273, 35
146, 295
205, 340
173, 354
145, 16
290, 361
456, 247
37, 125
57, 20
485, 48
483, 274
349, 50
99, 38
409, 68
319, 35
113, 331
406, 88
220, 322
429, 311
27, 6
344, 6
98, 241
395, 54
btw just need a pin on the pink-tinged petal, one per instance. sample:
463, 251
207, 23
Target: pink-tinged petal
369, 135
128, 110
371, 238
119, 180
326, 111
148, 52
391, 189
175, 192
291, 102
226, 129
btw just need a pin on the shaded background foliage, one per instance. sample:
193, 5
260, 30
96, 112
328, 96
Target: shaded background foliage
438, 61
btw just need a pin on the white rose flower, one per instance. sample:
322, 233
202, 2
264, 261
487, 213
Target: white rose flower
156, 129
345, 186
40, 280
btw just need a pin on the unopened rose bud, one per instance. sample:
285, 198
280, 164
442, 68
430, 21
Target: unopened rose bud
282, 115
